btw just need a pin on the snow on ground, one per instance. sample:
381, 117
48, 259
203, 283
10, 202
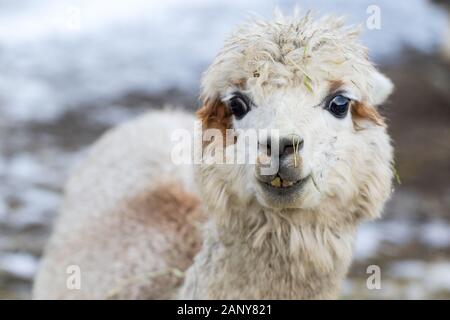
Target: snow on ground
372, 235
18, 264
58, 54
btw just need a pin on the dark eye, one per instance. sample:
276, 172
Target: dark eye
338, 106
239, 106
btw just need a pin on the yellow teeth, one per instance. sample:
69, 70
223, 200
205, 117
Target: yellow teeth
287, 183
278, 183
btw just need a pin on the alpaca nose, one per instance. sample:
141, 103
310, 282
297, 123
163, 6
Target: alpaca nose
281, 158
290, 145
287, 145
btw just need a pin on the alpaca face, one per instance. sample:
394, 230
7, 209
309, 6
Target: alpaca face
302, 137
309, 94
317, 144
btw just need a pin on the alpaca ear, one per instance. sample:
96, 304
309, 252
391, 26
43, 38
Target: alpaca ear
382, 87
214, 114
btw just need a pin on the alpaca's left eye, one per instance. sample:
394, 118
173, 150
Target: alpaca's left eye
338, 106
239, 106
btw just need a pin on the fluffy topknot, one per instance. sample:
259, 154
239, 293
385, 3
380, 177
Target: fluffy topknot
290, 51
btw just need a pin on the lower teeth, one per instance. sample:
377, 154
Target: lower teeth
287, 183
278, 183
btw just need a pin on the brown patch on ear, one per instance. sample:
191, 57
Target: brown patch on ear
335, 85
215, 115
364, 111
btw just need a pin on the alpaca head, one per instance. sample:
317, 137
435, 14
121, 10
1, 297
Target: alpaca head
308, 90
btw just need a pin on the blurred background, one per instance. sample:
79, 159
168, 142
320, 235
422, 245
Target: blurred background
69, 70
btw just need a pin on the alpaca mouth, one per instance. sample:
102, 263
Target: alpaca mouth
283, 186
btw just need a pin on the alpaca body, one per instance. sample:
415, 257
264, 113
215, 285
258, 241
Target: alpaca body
127, 220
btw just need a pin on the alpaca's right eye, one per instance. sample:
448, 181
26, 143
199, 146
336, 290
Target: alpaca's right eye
239, 106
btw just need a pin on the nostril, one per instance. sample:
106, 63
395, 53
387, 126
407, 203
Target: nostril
290, 145
288, 150
284, 146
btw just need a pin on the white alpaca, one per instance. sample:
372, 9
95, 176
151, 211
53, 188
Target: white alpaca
131, 217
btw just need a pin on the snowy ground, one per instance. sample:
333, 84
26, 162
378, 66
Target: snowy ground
72, 69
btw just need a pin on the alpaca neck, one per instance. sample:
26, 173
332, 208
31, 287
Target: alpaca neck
274, 256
